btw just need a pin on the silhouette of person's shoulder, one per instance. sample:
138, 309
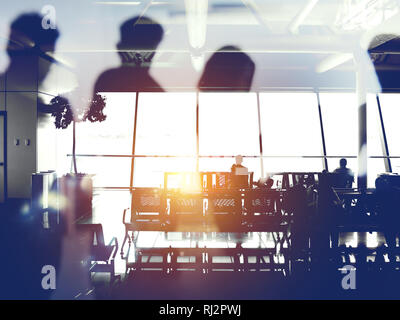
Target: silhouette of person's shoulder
139, 39
344, 171
126, 79
338, 170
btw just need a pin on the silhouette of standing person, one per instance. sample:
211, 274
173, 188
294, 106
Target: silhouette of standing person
27, 41
139, 38
25, 247
229, 70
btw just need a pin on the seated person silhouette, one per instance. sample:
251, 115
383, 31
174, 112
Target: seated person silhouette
140, 36
264, 183
344, 174
239, 173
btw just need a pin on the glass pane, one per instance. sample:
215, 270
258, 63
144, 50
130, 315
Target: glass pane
228, 124
275, 165
46, 135
290, 124
166, 124
339, 115
63, 149
113, 135
375, 167
395, 165
108, 172
373, 127
149, 172
390, 104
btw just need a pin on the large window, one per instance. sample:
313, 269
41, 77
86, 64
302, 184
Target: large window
292, 164
375, 166
391, 113
166, 125
339, 115
149, 172
228, 124
340, 121
290, 127
290, 124
110, 137
373, 127
113, 135
390, 104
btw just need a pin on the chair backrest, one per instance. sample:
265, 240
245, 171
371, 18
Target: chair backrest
146, 200
214, 180
222, 180
224, 202
186, 181
258, 201
186, 204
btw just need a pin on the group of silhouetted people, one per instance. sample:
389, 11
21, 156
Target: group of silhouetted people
227, 69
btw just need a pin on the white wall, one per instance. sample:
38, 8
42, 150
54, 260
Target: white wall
21, 106
21, 116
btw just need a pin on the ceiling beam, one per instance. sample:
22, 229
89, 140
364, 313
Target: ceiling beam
301, 16
256, 11
275, 44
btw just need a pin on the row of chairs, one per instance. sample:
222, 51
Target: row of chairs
206, 260
154, 209
153, 203
158, 207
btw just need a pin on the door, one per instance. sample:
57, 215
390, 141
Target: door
3, 155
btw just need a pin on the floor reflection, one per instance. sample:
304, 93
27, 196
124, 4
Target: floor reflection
108, 209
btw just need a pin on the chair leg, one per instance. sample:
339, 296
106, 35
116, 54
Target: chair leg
133, 239
112, 273
123, 242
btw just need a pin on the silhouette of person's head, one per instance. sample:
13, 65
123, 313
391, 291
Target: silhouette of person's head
28, 37
139, 37
29, 40
269, 183
239, 160
228, 69
343, 163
